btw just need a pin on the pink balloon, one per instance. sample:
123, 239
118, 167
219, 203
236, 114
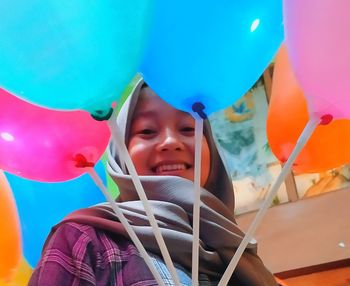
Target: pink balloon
318, 42
47, 145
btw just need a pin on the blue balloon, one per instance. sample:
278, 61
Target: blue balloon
210, 53
42, 205
71, 54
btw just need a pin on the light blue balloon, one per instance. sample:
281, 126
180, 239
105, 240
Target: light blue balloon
210, 52
71, 54
42, 205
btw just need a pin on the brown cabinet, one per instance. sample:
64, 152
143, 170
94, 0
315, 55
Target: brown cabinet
307, 239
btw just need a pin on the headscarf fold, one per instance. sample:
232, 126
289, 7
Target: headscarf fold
171, 199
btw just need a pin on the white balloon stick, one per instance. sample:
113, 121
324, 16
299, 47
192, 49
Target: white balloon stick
304, 137
118, 138
127, 226
197, 200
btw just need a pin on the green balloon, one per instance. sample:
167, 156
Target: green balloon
111, 185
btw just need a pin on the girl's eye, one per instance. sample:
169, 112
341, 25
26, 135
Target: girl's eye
146, 131
187, 129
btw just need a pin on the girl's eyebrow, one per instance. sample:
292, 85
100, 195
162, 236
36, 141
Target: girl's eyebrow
147, 113
185, 115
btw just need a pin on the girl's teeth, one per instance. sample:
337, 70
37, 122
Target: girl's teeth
173, 167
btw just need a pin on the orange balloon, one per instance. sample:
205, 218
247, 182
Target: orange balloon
280, 282
328, 146
10, 239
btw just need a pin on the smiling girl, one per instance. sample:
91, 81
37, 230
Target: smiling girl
91, 247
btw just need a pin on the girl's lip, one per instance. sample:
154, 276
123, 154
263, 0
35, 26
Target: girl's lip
163, 166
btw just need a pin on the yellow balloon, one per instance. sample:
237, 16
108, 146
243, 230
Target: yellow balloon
21, 276
10, 238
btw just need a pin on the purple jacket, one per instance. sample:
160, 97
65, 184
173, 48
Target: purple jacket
81, 255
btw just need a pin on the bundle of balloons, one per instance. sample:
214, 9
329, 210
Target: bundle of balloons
63, 65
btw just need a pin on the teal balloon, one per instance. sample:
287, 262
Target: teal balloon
71, 54
210, 52
42, 205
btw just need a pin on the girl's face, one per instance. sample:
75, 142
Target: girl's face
162, 140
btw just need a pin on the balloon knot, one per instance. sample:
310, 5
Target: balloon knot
199, 107
326, 119
82, 162
101, 115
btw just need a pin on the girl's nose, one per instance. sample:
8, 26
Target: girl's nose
170, 141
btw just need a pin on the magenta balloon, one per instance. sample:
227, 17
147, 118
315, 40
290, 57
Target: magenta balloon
41, 144
318, 44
